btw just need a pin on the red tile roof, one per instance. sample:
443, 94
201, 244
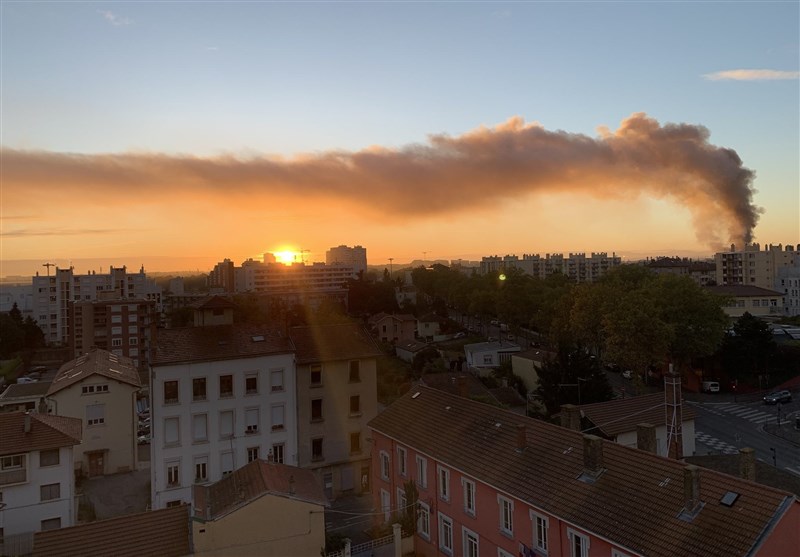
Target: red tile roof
218, 342
162, 533
635, 503
623, 414
95, 362
253, 480
213, 302
46, 432
327, 343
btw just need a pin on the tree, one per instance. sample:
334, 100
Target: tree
572, 377
747, 352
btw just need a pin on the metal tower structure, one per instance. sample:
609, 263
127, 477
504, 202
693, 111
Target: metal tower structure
673, 406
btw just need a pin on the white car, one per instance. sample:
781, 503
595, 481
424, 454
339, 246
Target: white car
23, 380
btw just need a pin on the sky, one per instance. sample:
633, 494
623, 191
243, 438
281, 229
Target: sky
176, 134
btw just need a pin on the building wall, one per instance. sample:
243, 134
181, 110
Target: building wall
355, 257
485, 522
526, 369
340, 469
753, 266
687, 430
785, 539
24, 510
116, 436
187, 451
759, 307
788, 282
269, 526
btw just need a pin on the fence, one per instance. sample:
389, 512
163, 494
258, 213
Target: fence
371, 544
17, 544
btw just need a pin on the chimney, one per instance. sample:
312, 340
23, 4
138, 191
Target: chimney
27, 422
747, 463
691, 491
521, 435
646, 438
463, 391
570, 417
592, 457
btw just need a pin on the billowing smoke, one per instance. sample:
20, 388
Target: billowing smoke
448, 174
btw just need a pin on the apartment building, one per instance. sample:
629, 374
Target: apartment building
753, 266
788, 282
125, 327
221, 396
100, 389
757, 301
37, 482
491, 482
576, 266
355, 258
702, 272
336, 399
52, 295
223, 276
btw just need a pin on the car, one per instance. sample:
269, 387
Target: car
492, 339
462, 334
24, 380
778, 397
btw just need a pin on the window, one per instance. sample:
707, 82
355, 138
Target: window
116, 319
401, 501
225, 386
95, 414
173, 474
316, 410
384, 456
14, 462
251, 384
469, 496
578, 544
487, 359
355, 442
51, 524
424, 520
49, 458
252, 454
226, 460
49, 492
276, 380
170, 392
422, 472
444, 483
445, 534
277, 417
172, 431
199, 388
316, 374
502, 553
386, 504
277, 453
133, 341
401, 461
355, 405
506, 515
539, 531
91, 389
470, 543
355, 372
226, 424
316, 449
200, 427
251, 421
201, 469
116, 330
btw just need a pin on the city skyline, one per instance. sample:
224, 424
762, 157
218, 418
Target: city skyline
152, 134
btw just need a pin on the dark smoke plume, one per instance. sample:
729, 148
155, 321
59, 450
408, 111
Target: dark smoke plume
675, 162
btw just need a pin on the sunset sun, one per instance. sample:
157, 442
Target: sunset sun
287, 257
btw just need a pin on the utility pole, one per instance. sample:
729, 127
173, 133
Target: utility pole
391, 267
48, 265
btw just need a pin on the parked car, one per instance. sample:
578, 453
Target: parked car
461, 334
778, 397
23, 380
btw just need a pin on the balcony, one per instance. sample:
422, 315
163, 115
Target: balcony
18, 476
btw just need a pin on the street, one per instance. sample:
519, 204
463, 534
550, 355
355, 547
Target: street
725, 427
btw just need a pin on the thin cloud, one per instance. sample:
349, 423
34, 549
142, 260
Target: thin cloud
59, 232
114, 19
447, 175
751, 75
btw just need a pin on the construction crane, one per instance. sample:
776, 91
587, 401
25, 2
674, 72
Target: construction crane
303, 256
48, 265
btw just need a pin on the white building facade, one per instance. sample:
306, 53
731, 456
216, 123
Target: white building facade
355, 257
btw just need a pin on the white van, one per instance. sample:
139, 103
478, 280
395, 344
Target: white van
710, 387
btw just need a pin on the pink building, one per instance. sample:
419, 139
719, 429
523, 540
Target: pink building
494, 483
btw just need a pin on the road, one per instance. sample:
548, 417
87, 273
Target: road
724, 427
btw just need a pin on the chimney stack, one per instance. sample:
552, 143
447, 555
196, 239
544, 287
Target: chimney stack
691, 491
27, 422
646, 438
747, 463
592, 456
521, 438
463, 390
570, 417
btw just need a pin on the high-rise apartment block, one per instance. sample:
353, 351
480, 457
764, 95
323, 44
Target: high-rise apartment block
753, 266
355, 257
576, 266
53, 294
